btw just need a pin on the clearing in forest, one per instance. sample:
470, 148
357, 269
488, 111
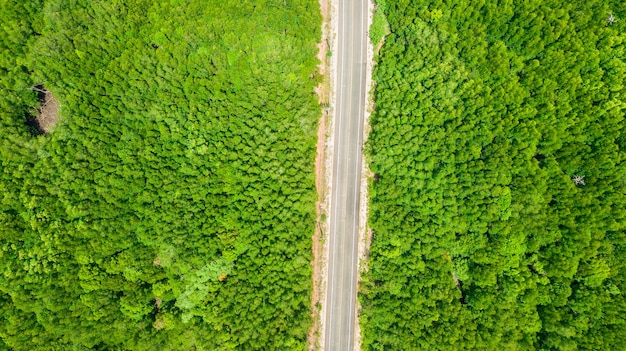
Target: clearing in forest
47, 115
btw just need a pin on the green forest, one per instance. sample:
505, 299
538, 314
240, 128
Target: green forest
173, 204
497, 205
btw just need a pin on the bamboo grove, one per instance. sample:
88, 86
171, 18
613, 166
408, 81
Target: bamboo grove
173, 204
497, 206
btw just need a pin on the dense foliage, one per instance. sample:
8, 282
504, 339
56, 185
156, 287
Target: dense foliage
173, 205
498, 208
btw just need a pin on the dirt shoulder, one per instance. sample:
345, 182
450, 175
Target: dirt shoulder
325, 95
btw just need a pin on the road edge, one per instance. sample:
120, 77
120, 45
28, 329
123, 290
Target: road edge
365, 234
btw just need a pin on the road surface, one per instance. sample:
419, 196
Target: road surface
345, 195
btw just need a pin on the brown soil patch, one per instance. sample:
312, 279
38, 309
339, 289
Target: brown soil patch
47, 114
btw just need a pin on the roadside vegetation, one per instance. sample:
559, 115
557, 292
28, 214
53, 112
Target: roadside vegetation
172, 205
497, 205
379, 27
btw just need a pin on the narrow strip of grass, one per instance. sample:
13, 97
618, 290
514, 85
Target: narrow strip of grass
379, 28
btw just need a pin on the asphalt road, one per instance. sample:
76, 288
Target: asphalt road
344, 214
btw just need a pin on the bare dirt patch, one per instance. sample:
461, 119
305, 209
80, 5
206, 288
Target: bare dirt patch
47, 115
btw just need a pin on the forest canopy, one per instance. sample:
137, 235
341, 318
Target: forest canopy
497, 206
172, 206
